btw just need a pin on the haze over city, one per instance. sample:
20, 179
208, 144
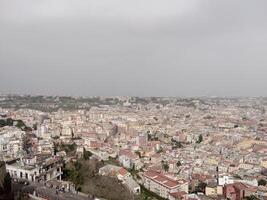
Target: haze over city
136, 48
133, 100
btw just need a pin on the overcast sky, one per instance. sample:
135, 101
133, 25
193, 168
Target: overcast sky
134, 47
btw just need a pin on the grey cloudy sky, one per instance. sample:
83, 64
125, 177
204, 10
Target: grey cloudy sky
134, 47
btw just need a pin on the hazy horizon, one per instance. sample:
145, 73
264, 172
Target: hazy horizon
134, 48
129, 96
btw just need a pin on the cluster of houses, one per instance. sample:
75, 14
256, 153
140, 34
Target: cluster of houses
216, 150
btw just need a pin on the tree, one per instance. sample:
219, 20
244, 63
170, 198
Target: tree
26, 143
7, 183
9, 122
20, 124
262, 182
138, 153
176, 145
201, 187
178, 164
252, 197
75, 174
87, 155
68, 148
2, 123
165, 166
200, 138
34, 126
237, 176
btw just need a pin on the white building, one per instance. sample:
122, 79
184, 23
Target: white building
223, 180
129, 160
132, 185
32, 170
11, 142
162, 185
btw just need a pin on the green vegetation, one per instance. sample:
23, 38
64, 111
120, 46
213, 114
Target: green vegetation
178, 164
73, 173
237, 176
34, 126
112, 161
18, 123
9, 122
87, 155
5, 180
176, 144
201, 187
26, 143
84, 174
165, 166
200, 139
262, 182
135, 174
252, 197
56, 137
53, 103
70, 149
2, 122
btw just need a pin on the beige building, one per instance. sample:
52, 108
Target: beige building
162, 185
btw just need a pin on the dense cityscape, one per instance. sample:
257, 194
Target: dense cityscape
133, 100
54, 147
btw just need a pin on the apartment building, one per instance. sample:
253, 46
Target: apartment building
40, 169
163, 185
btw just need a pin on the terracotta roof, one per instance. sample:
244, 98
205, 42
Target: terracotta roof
122, 171
242, 186
128, 153
161, 179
